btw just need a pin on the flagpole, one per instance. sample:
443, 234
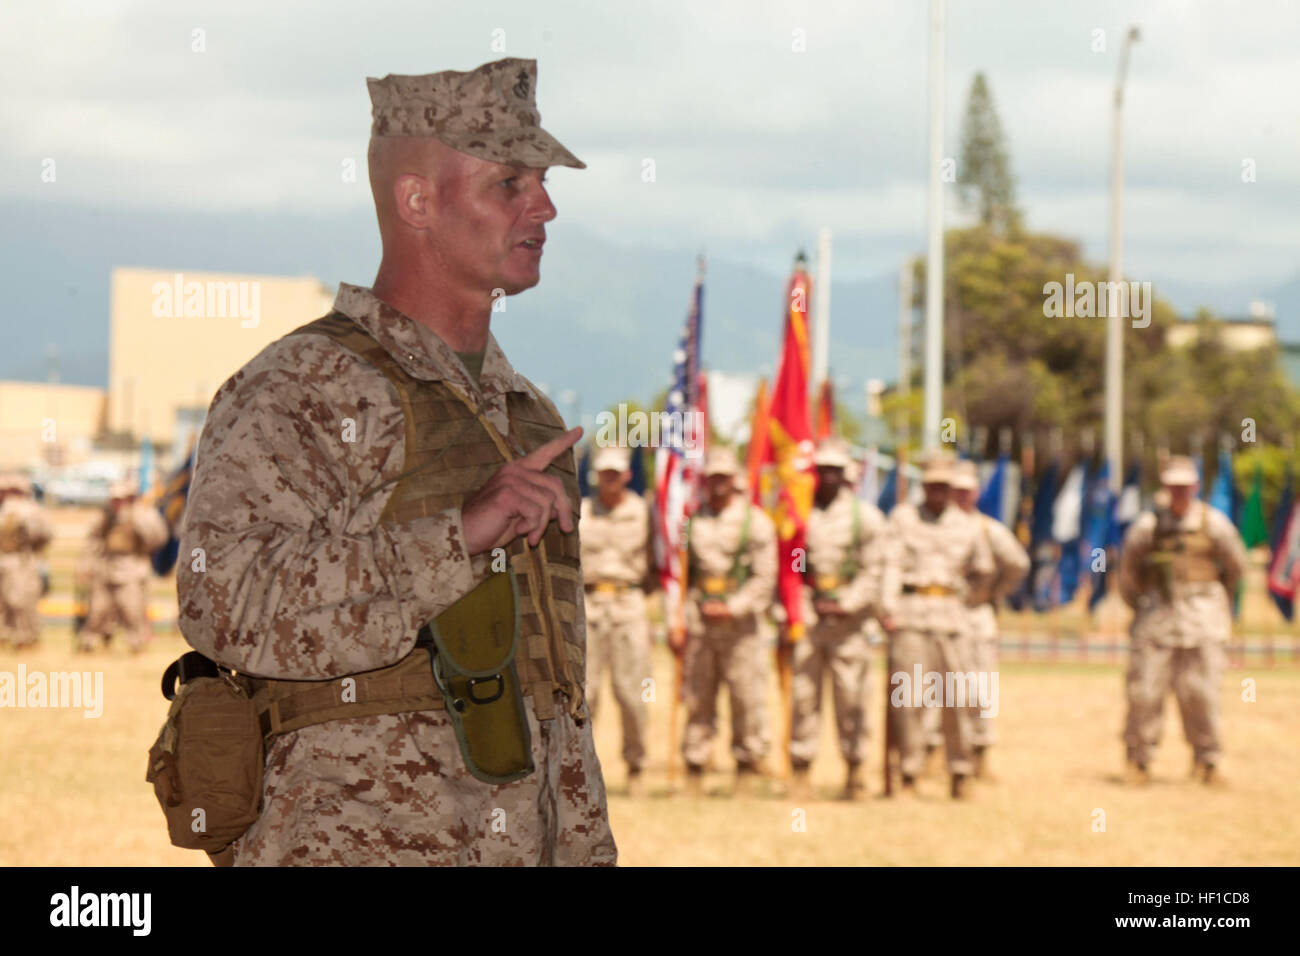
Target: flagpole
934, 247
822, 328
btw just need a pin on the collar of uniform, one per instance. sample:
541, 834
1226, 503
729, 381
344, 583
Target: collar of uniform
424, 355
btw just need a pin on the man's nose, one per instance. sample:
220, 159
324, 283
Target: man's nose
543, 209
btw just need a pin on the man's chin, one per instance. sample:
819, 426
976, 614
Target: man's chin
517, 285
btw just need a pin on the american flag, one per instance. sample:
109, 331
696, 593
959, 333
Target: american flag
678, 460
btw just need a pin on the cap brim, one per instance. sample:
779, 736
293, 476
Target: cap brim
532, 147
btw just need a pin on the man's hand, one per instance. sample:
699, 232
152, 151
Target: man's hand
888, 623
519, 499
715, 610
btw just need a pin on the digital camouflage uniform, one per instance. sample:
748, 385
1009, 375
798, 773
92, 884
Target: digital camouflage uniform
25, 532
728, 652
945, 555
303, 581
614, 562
837, 570
1012, 564
1180, 629
120, 545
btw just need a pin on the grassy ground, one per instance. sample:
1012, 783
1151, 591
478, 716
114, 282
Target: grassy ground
73, 789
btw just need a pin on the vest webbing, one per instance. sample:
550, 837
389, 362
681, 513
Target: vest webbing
1190, 554
451, 450
740, 569
13, 537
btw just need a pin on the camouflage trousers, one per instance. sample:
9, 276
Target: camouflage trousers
393, 790
840, 647
914, 653
1195, 674
734, 654
618, 641
20, 593
111, 605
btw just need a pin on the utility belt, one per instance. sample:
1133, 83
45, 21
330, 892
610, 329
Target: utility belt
929, 590
717, 585
607, 587
826, 586
213, 760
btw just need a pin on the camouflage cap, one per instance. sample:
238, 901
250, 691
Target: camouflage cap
832, 453
1179, 470
488, 112
611, 458
721, 460
965, 475
937, 469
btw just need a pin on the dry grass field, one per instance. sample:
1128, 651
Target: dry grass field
73, 791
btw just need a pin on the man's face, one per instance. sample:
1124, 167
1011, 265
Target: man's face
829, 481
965, 498
720, 486
1180, 498
610, 481
936, 495
490, 222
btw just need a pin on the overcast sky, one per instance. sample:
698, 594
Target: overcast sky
755, 145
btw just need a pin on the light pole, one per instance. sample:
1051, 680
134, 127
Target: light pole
934, 245
1114, 321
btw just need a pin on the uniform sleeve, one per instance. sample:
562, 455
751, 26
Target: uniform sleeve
861, 591
150, 526
1133, 552
1011, 557
981, 568
297, 578
756, 594
39, 530
887, 563
651, 582
1231, 552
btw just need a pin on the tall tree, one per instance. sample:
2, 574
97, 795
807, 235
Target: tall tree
984, 180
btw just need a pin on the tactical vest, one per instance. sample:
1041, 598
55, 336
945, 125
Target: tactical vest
742, 564
451, 450
13, 537
1179, 556
121, 537
826, 584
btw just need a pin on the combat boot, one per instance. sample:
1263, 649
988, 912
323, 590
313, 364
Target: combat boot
694, 780
1136, 774
908, 788
960, 787
1211, 777
635, 782
801, 782
854, 789
747, 780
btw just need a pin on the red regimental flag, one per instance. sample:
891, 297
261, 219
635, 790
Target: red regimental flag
790, 446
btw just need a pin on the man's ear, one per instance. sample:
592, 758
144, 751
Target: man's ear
413, 200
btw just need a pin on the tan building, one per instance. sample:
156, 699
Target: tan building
48, 425
174, 337
1256, 330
